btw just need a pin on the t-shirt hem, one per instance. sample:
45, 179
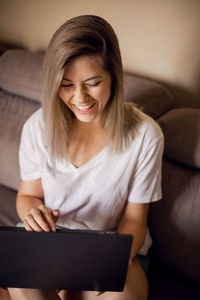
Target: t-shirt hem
30, 178
157, 198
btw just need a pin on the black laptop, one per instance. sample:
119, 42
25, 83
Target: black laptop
65, 259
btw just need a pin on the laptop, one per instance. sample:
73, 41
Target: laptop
65, 259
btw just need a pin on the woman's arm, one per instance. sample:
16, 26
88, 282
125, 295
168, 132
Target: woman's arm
134, 222
31, 209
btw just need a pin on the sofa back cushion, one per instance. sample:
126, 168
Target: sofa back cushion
21, 73
150, 96
14, 110
181, 128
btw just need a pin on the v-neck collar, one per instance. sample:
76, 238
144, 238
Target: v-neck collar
94, 160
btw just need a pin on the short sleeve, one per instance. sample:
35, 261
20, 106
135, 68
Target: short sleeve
29, 152
145, 186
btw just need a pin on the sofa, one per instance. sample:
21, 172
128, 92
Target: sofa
174, 222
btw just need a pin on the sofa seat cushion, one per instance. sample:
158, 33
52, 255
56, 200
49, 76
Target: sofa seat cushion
165, 284
8, 214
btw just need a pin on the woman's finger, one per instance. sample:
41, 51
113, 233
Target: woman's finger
42, 219
49, 216
31, 222
38, 220
49, 219
56, 214
27, 226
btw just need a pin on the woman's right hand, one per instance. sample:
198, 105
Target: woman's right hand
41, 219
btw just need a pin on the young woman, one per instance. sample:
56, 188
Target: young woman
88, 159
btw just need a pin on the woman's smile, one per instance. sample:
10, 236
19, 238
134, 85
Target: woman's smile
85, 109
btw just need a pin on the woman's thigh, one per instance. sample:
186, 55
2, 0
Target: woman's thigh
29, 294
4, 295
136, 288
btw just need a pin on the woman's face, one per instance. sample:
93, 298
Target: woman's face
85, 87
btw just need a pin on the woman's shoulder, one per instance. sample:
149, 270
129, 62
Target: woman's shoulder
141, 123
146, 130
149, 127
34, 126
35, 119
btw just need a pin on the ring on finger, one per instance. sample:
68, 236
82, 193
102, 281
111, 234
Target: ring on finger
29, 215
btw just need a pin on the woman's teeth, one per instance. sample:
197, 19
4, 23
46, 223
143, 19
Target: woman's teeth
84, 107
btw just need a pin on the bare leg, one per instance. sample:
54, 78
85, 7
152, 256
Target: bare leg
29, 294
70, 295
136, 287
4, 295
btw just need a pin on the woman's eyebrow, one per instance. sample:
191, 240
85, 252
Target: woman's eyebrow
90, 78
93, 77
66, 79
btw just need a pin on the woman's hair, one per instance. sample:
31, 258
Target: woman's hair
85, 35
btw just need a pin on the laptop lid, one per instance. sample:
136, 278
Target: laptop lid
65, 259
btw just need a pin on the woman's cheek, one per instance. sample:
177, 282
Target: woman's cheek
63, 96
61, 93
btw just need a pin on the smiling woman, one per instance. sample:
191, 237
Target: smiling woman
98, 42
89, 160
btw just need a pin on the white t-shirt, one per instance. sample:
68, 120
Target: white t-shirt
93, 196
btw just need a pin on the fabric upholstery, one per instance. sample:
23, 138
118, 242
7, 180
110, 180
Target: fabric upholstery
166, 284
181, 128
14, 110
152, 97
21, 73
175, 220
8, 213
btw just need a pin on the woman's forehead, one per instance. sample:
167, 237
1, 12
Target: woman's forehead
84, 66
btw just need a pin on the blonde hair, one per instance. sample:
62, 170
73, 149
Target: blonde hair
85, 35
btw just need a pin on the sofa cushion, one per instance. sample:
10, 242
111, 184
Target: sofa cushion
181, 128
21, 73
165, 284
8, 213
14, 110
174, 221
152, 97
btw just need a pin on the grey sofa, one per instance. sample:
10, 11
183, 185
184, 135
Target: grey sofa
174, 221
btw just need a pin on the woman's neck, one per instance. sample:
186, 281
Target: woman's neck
85, 129
86, 142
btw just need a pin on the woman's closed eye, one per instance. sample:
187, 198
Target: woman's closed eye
67, 85
93, 84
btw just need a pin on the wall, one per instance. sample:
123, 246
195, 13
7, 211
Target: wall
159, 39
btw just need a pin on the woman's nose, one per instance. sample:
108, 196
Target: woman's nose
80, 95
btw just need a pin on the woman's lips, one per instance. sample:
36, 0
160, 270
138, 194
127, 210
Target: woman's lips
84, 109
